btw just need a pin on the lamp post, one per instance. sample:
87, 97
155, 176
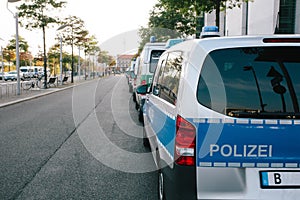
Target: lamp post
79, 73
2, 61
72, 58
60, 58
17, 45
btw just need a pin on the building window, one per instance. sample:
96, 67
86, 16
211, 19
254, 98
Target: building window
287, 13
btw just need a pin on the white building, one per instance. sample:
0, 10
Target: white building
259, 17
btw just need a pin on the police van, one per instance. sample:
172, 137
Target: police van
222, 118
146, 67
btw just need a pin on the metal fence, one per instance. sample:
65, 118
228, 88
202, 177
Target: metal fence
9, 89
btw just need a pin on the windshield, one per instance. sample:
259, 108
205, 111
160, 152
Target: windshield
155, 54
252, 82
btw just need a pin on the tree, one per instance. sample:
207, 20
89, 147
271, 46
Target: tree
35, 14
104, 57
9, 55
73, 32
53, 58
218, 5
189, 12
23, 44
170, 16
160, 34
90, 47
25, 56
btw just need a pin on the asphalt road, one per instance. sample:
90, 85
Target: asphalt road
81, 143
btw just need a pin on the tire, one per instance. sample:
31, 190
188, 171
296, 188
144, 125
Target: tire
39, 84
136, 105
26, 85
130, 88
133, 97
146, 142
141, 118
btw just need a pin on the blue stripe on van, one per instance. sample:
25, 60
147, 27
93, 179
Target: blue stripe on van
163, 125
248, 143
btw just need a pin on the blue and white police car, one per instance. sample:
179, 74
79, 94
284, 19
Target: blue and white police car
222, 118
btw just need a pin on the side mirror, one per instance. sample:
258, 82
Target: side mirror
142, 89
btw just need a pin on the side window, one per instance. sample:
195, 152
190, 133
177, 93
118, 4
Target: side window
170, 76
159, 74
154, 57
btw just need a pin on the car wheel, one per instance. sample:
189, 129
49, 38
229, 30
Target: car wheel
130, 88
133, 97
145, 139
141, 119
161, 192
136, 105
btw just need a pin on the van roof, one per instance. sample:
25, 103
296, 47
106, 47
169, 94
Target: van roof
240, 41
210, 44
163, 44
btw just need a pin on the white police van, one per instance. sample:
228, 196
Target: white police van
222, 118
145, 69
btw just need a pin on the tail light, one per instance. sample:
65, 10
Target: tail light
185, 142
143, 82
281, 40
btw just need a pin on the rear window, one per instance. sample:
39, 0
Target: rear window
254, 82
154, 57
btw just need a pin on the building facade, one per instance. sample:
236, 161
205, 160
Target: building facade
123, 62
259, 17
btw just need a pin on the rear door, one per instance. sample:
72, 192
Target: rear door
248, 147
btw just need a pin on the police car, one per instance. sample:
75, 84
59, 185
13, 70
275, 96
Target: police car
222, 118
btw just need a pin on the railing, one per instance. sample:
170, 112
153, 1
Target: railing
8, 89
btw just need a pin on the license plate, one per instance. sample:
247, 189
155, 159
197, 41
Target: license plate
280, 179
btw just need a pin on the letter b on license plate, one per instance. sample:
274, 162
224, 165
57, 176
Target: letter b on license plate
280, 179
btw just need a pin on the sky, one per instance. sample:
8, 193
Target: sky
114, 23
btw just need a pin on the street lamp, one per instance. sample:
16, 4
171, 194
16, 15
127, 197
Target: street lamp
17, 45
2, 62
60, 58
72, 58
79, 74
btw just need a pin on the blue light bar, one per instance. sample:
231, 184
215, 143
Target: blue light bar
210, 29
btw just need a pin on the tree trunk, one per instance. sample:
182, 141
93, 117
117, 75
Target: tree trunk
218, 4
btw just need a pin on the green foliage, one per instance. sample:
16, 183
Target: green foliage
183, 17
74, 31
90, 45
179, 17
35, 14
104, 57
161, 35
23, 44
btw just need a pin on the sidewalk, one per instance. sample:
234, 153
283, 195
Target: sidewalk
10, 97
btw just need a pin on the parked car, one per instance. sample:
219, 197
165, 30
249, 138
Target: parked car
2, 75
131, 75
134, 80
222, 118
11, 76
31, 71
